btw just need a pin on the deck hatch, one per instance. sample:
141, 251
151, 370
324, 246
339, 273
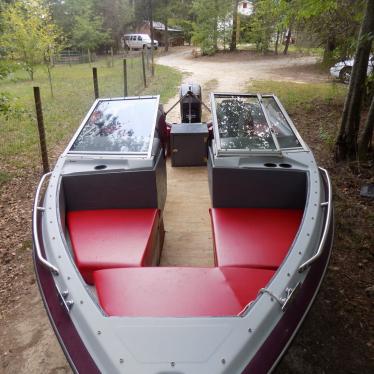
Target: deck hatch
118, 126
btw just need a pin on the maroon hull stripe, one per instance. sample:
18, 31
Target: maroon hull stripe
71, 343
269, 352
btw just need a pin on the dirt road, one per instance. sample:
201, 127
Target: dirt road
27, 343
232, 72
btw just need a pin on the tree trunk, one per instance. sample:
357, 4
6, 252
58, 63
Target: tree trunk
166, 35
367, 136
215, 28
329, 49
234, 25
89, 56
287, 40
346, 143
277, 42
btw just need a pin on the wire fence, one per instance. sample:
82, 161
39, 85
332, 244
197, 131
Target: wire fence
64, 105
70, 57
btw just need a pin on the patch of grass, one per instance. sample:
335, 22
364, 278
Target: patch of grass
327, 137
210, 85
165, 83
73, 96
4, 177
307, 51
292, 49
293, 95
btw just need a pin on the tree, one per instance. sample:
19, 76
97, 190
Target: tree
367, 135
235, 25
268, 18
210, 16
28, 33
88, 32
115, 15
335, 23
346, 143
182, 15
163, 11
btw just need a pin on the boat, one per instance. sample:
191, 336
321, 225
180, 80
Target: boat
98, 233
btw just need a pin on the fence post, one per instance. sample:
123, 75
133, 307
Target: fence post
42, 141
95, 83
125, 91
144, 76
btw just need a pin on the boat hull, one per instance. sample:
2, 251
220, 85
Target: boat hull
71, 343
263, 362
276, 344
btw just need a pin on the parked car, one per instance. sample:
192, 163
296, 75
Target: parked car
343, 69
138, 41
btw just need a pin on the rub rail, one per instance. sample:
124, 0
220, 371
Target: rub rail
35, 212
328, 205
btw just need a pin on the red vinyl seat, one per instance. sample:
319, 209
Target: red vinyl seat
178, 291
112, 238
257, 238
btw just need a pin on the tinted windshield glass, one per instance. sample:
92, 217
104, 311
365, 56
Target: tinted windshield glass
120, 126
242, 124
282, 130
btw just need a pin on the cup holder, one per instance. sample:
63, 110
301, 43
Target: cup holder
270, 165
100, 167
286, 166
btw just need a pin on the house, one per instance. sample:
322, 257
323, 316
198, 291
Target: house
176, 36
245, 8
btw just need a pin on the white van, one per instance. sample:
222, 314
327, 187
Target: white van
138, 41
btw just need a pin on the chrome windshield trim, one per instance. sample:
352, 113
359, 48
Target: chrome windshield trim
234, 152
291, 124
259, 98
88, 115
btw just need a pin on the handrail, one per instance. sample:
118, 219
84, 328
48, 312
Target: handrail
35, 226
327, 204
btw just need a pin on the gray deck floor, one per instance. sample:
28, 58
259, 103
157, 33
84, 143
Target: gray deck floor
188, 238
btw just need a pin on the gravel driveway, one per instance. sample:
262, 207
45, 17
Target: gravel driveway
232, 72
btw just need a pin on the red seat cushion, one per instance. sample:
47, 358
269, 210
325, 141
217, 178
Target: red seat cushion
112, 238
258, 238
178, 292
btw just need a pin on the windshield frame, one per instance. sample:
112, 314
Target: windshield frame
142, 155
219, 151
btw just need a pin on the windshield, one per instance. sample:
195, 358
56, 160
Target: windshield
242, 124
282, 130
119, 126
251, 123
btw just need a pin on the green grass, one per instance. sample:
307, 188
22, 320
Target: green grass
4, 177
73, 96
292, 49
293, 95
310, 51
